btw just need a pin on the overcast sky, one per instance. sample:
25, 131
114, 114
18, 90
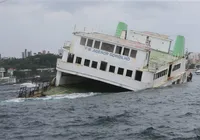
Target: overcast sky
46, 24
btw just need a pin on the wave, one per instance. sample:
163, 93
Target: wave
52, 97
188, 114
152, 133
15, 100
187, 138
69, 96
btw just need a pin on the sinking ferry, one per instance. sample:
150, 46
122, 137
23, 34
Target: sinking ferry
130, 60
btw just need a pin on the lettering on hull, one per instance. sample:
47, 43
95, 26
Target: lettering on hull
108, 53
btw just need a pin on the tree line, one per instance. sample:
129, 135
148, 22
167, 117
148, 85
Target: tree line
32, 63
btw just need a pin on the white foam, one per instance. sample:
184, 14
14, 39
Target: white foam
15, 100
73, 95
68, 96
53, 97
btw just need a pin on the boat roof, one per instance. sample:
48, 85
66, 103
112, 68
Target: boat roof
113, 40
152, 34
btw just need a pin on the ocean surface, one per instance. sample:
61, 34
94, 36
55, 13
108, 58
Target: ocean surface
171, 113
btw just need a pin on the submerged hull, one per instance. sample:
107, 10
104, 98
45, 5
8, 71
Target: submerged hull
68, 74
73, 75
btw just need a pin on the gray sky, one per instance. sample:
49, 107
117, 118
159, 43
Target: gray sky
46, 24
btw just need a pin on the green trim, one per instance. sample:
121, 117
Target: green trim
179, 46
121, 27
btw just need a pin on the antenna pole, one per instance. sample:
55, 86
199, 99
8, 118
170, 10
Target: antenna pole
74, 27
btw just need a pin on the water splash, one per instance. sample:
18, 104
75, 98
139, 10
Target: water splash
15, 100
52, 97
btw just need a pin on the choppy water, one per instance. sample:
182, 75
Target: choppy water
157, 114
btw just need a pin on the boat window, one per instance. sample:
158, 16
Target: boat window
112, 69
160, 74
133, 53
126, 51
107, 47
138, 75
70, 58
120, 71
129, 73
78, 60
94, 64
83, 41
87, 62
176, 67
154, 77
103, 66
97, 44
118, 50
89, 43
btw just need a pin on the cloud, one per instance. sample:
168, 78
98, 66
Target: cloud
47, 24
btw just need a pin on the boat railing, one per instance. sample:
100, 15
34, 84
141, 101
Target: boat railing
26, 92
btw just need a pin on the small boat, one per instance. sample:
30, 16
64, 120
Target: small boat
197, 72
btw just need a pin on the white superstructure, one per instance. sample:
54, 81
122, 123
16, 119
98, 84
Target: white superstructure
154, 40
129, 64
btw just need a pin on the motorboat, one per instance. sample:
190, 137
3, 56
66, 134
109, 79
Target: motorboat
197, 72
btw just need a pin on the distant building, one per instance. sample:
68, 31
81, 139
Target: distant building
2, 71
194, 57
23, 56
26, 53
29, 53
43, 52
10, 71
5, 58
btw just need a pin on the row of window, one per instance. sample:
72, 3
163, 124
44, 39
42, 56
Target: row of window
109, 47
176, 67
160, 74
164, 72
103, 67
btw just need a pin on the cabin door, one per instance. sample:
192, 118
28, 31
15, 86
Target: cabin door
170, 69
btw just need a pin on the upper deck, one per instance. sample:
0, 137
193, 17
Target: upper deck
113, 40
